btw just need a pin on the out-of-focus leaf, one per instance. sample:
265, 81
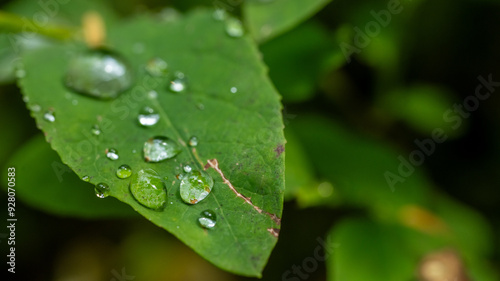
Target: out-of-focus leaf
44, 182
267, 19
240, 133
299, 58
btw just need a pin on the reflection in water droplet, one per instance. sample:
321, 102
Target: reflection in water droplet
195, 186
49, 116
86, 178
179, 83
193, 141
124, 171
148, 189
160, 148
112, 154
234, 27
95, 130
157, 67
148, 117
234, 90
101, 190
99, 73
187, 169
207, 219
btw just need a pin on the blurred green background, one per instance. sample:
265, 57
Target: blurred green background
347, 122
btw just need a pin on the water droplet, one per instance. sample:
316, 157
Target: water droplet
20, 73
234, 27
134, 151
157, 67
187, 169
165, 178
207, 219
169, 14
49, 116
152, 94
160, 148
193, 141
99, 73
234, 90
148, 117
26, 99
124, 171
195, 186
35, 108
74, 102
95, 130
86, 178
112, 154
101, 190
179, 83
148, 189
200, 106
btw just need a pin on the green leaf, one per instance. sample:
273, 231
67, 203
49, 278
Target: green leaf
44, 182
267, 19
243, 131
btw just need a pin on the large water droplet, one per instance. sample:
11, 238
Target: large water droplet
157, 67
148, 189
112, 154
207, 219
99, 73
101, 190
234, 27
148, 117
49, 116
179, 83
195, 186
193, 141
124, 171
160, 148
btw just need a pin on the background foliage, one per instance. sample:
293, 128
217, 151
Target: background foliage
347, 122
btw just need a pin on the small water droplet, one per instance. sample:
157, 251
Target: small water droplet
99, 73
49, 116
160, 148
234, 90
187, 169
148, 189
86, 178
179, 83
152, 94
101, 190
208, 219
219, 14
134, 151
200, 106
74, 102
157, 67
20, 73
112, 154
195, 186
35, 108
169, 15
234, 27
124, 171
148, 117
26, 99
193, 141
165, 178
95, 130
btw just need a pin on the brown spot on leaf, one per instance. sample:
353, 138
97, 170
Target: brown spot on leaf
279, 149
274, 231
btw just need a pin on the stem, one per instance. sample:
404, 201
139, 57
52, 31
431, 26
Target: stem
18, 24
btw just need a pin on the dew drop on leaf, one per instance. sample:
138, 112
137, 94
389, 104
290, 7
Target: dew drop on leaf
160, 148
112, 154
101, 190
207, 219
124, 171
234, 90
35, 108
195, 186
148, 117
148, 189
86, 178
193, 141
234, 27
98, 73
219, 14
187, 169
178, 84
49, 116
157, 67
95, 130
